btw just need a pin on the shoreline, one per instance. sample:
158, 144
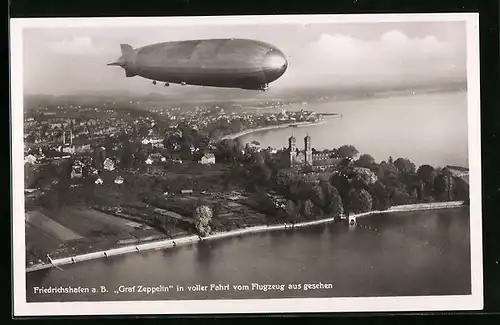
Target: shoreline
234, 136
170, 243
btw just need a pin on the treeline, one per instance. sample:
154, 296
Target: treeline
356, 186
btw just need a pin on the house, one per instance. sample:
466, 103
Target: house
68, 149
186, 192
76, 170
109, 164
98, 181
149, 161
207, 159
119, 180
30, 159
156, 157
82, 148
457, 172
254, 146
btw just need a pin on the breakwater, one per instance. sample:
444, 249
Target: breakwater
169, 243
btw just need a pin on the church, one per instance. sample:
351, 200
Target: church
306, 158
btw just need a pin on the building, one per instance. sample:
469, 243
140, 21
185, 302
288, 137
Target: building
457, 171
109, 164
30, 159
306, 158
254, 146
209, 158
77, 169
82, 148
119, 180
68, 149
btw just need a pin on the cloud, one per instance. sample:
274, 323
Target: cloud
393, 57
82, 45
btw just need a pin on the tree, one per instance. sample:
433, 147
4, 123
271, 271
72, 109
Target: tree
203, 216
347, 151
228, 150
341, 182
143, 131
261, 174
381, 200
285, 178
366, 161
388, 172
400, 197
215, 135
317, 196
65, 173
217, 208
307, 209
405, 166
426, 173
258, 158
363, 177
126, 156
334, 205
291, 210
99, 157
263, 203
30, 176
295, 190
359, 201
443, 187
108, 144
461, 191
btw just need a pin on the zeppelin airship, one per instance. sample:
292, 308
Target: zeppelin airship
229, 63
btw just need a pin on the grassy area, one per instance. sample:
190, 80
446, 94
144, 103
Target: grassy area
87, 217
91, 230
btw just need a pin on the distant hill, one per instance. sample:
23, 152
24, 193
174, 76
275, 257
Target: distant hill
195, 95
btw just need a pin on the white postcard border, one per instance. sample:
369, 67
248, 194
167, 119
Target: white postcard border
422, 303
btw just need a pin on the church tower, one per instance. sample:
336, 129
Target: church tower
308, 151
292, 149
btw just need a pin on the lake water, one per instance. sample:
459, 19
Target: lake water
403, 254
427, 129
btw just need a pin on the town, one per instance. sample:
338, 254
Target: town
104, 176
130, 162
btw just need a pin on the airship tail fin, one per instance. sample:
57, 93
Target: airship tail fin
126, 49
127, 52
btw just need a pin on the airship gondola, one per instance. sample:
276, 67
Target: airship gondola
229, 63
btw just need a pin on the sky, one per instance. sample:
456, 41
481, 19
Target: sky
73, 60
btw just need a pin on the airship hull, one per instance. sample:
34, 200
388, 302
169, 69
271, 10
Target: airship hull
234, 63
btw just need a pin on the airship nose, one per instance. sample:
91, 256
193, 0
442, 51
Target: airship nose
275, 64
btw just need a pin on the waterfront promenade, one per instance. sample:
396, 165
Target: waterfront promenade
233, 136
169, 243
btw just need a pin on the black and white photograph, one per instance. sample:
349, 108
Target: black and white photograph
246, 164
